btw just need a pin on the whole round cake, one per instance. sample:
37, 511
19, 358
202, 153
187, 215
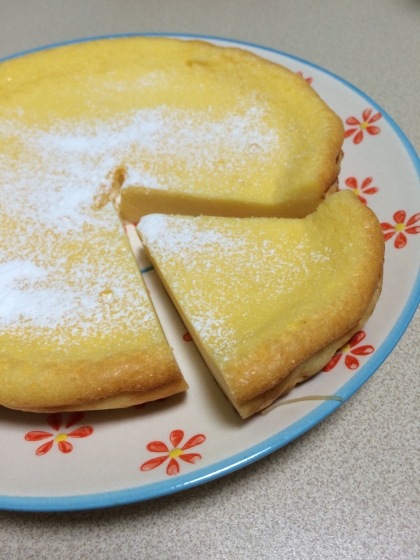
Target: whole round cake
132, 126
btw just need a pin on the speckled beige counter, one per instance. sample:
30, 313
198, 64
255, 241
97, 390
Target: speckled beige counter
348, 489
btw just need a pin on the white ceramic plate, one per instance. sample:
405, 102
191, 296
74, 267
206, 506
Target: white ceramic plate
96, 459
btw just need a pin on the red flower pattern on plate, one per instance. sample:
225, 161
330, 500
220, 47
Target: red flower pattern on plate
55, 421
401, 228
309, 80
175, 453
361, 126
351, 351
363, 189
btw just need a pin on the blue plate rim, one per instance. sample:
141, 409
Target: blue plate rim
271, 444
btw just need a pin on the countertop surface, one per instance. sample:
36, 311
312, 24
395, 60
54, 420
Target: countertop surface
347, 489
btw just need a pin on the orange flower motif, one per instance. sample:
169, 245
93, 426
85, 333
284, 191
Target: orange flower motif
400, 228
366, 124
309, 80
364, 187
55, 421
176, 453
350, 361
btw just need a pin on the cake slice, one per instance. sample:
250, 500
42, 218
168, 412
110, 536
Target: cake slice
268, 301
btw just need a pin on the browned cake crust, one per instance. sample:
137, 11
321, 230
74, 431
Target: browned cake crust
306, 369
115, 382
121, 400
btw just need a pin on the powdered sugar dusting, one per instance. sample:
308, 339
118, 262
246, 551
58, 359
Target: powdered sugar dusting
178, 150
65, 271
52, 178
224, 272
30, 296
161, 148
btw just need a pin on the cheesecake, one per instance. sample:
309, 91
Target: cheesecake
99, 131
268, 301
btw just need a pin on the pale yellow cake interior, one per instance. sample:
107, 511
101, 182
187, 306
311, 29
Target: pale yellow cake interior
262, 296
